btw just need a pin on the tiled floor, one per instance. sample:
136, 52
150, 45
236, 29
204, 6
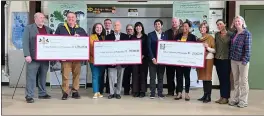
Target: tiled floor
126, 105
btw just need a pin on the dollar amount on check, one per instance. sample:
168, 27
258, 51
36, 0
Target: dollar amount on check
51, 47
181, 53
117, 52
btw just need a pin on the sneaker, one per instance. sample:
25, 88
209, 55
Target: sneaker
45, 97
64, 96
99, 95
30, 100
241, 105
76, 95
152, 96
223, 101
161, 96
218, 101
232, 103
95, 96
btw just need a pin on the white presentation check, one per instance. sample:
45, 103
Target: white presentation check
117, 52
50, 47
181, 53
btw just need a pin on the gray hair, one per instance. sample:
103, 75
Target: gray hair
242, 19
37, 14
129, 25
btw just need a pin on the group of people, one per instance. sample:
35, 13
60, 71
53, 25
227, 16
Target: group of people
228, 50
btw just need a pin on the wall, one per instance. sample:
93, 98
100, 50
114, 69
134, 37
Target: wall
14, 6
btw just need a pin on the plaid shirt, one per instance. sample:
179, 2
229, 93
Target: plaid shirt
240, 49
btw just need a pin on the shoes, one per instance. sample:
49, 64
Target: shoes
111, 96
99, 95
117, 96
30, 100
152, 96
161, 96
207, 98
187, 97
232, 103
76, 95
142, 94
136, 94
202, 98
178, 97
241, 105
224, 101
45, 97
64, 96
218, 101
95, 96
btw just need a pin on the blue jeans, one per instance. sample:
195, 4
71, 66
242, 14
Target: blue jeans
96, 74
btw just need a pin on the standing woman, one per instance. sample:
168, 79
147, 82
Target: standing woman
240, 53
205, 73
183, 70
140, 72
97, 35
222, 61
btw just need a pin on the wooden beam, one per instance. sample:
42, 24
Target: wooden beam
230, 12
34, 6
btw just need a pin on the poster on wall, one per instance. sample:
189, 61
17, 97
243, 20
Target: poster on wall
57, 16
214, 15
59, 9
19, 21
196, 12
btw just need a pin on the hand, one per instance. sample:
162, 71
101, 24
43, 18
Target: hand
142, 56
63, 60
205, 45
154, 61
28, 59
114, 65
77, 35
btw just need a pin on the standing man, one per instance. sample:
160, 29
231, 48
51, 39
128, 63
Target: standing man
107, 25
115, 72
156, 70
70, 28
128, 69
34, 66
170, 70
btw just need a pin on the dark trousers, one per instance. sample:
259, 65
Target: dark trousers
139, 76
106, 84
180, 72
127, 78
207, 87
223, 69
170, 72
153, 71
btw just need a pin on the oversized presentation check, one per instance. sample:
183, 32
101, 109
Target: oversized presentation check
53, 47
181, 53
117, 52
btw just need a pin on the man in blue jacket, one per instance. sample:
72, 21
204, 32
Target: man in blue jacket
154, 68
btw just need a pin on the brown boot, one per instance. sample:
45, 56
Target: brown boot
218, 101
224, 101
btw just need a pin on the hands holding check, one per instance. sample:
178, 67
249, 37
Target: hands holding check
76, 35
28, 59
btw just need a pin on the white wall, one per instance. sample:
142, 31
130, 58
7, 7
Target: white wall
238, 3
14, 6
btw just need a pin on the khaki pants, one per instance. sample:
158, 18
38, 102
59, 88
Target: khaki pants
67, 68
241, 87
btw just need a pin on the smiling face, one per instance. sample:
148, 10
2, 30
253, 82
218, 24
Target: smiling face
98, 29
108, 24
129, 30
158, 26
203, 29
175, 23
117, 26
220, 25
71, 18
238, 23
186, 28
139, 29
39, 19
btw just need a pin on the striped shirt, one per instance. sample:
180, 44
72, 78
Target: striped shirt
240, 49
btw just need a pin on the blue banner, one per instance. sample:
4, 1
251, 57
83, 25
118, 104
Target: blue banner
19, 21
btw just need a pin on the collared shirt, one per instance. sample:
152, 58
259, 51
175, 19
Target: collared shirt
241, 46
222, 45
107, 32
117, 36
42, 30
158, 35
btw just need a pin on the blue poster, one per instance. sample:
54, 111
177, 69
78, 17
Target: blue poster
19, 21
